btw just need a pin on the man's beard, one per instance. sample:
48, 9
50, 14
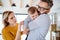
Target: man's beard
44, 13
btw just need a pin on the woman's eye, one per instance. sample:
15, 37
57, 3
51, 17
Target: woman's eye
11, 17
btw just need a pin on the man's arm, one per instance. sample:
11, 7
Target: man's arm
42, 24
42, 21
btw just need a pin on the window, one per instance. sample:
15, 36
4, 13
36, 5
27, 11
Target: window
1, 25
18, 17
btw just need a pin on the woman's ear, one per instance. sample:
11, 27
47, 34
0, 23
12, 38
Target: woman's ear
6, 20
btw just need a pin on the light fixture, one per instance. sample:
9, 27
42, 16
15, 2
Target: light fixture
13, 4
27, 5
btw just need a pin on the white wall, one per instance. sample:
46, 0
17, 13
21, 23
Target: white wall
7, 6
17, 9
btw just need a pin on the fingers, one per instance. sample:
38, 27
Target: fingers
26, 31
22, 22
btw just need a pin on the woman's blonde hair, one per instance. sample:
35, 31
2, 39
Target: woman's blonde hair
5, 17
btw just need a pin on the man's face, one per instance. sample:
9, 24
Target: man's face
33, 16
43, 7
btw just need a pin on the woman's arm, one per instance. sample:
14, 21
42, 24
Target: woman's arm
7, 35
18, 35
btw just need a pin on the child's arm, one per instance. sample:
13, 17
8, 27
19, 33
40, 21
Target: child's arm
26, 22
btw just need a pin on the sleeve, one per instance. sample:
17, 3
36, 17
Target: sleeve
42, 21
26, 21
6, 35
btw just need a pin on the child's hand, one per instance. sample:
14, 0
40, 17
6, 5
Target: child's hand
22, 22
26, 31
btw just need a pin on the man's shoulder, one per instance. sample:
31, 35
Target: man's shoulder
43, 15
42, 18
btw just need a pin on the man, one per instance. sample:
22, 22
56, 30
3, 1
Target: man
40, 26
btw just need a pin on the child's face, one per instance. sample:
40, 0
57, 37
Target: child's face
34, 16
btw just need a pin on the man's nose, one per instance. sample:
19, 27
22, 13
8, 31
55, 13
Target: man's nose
41, 9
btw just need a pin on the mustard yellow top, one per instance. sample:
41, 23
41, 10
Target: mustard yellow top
9, 32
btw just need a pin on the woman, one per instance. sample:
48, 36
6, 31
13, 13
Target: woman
11, 30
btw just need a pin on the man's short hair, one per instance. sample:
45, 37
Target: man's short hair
50, 2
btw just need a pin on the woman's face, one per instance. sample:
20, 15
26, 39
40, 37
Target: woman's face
12, 19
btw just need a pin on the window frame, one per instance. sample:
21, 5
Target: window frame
15, 15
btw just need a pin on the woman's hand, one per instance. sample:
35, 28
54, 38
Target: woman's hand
19, 25
18, 35
22, 23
